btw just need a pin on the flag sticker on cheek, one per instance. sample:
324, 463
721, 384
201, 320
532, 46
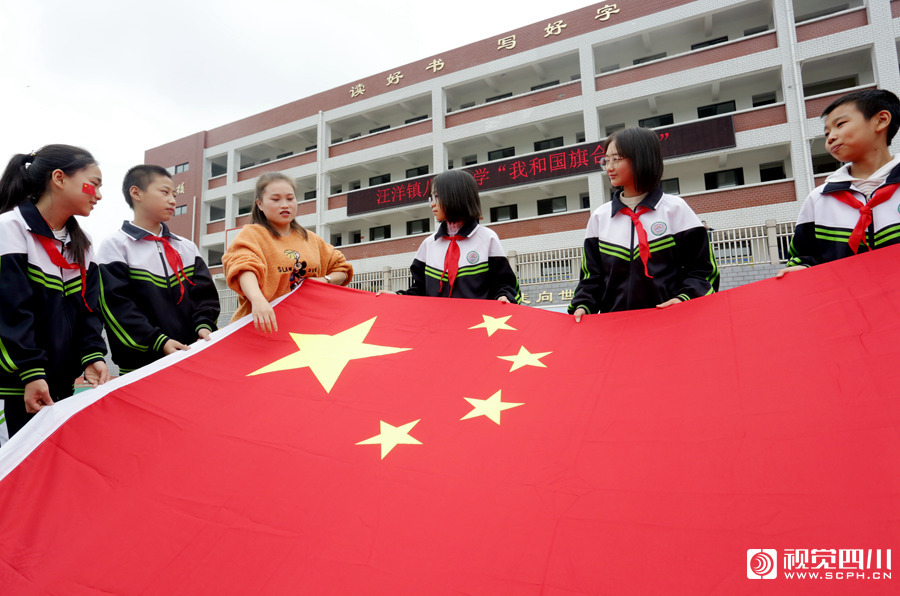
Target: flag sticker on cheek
89, 189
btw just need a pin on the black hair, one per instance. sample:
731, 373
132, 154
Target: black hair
641, 146
26, 178
458, 193
256, 214
870, 102
141, 176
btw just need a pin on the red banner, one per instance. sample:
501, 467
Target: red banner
402, 445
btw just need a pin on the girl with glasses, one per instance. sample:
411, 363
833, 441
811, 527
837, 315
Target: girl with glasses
645, 248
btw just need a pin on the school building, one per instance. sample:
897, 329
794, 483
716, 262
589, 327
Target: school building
734, 88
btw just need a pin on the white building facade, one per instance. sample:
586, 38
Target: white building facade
363, 154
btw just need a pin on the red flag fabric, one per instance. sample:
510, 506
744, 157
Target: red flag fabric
746, 442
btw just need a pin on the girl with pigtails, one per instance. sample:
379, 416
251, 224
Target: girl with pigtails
50, 326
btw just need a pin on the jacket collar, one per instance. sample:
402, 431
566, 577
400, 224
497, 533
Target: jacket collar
841, 179
466, 231
136, 233
651, 200
34, 220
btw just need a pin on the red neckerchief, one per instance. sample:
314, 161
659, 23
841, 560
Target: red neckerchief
451, 263
61, 262
174, 260
643, 245
865, 211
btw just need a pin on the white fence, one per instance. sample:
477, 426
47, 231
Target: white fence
733, 247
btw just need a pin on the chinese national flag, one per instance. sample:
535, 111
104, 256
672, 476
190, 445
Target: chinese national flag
402, 445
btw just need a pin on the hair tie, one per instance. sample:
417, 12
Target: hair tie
32, 154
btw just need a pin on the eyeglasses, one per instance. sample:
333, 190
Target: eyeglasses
611, 161
432, 199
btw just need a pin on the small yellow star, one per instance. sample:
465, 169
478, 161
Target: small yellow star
391, 436
525, 358
328, 355
492, 324
490, 407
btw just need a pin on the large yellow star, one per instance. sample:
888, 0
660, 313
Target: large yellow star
327, 355
391, 436
490, 407
525, 358
492, 324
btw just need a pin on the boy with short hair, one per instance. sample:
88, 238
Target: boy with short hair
156, 293
858, 207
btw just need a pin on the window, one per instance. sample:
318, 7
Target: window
774, 170
336, 189
418, 226
309, 195
614, 128
829, 86
379, 129
217, 211
579, 137
354, 185
637, 61
498, 97
504, 213
575, 77
182, 167
585, 200
355, 135
336, 239
413, 172
824, 164
180, 209
380, 232
822, 12
288, 154
468, 104
670, 186
383, 179
214, 257
724, 178
554, 205
708, 42
311, 148
355, 237
545, 85
654, 121
265, 160
755, 30
548, 144
764, 99
609, 68
244, 209
217, 169
715, 109
417, 119
337, 140
469, 160
501, 153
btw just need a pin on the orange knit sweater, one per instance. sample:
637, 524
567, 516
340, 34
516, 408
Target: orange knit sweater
279, 263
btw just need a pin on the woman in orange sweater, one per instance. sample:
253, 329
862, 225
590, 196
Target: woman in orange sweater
270, 257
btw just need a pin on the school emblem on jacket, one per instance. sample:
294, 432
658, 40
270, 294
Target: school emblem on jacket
658, 228
298, 272
472, 257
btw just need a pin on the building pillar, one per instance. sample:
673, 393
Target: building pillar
589, 95
794, 102
438, 113
884, 51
